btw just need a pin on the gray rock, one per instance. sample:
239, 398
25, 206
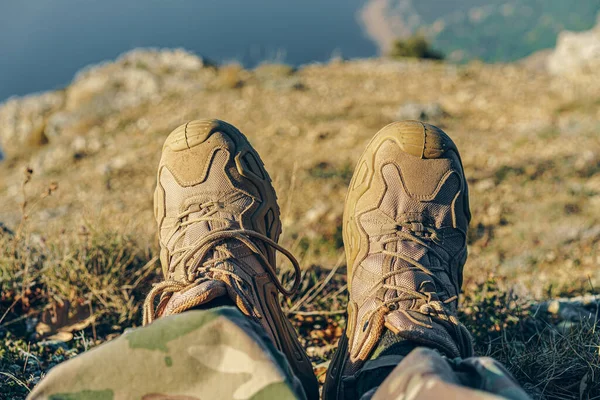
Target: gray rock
161, 61
51, 157
105, 91
58, 122
22, 118
577, 309
576, 53
537, 61
97, 91
135, 78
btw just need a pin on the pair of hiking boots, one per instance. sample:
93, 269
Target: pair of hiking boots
404, 227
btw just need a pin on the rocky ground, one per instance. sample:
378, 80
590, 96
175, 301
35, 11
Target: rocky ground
528, 137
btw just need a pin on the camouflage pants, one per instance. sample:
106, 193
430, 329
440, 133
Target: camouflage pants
221, 354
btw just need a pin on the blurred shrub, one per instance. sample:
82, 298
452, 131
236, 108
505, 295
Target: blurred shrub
414, 47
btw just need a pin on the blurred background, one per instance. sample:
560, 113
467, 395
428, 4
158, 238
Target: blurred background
43, 43
89, 90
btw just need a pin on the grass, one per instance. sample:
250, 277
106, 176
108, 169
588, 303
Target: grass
550, 357
83, 291
104, 276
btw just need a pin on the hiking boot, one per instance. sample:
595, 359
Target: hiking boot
405, 229
218, 226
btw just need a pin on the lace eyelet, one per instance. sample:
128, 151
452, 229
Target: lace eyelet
393, 307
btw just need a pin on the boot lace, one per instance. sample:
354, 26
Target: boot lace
192, 258
422, 234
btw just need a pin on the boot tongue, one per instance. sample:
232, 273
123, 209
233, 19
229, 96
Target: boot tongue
408, 303
408, 276
217, 216
220, 286
196, 296
418, 321
415, 319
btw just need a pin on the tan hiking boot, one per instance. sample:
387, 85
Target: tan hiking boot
405, 228
218, 224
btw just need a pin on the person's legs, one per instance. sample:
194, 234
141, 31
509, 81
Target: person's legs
199, 354
405, 227
425, 374
218, 226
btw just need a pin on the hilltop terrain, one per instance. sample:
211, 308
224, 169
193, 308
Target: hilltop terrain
488, 30
78, 255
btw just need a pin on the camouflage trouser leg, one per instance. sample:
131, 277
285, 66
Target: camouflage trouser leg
425, 375
209, 354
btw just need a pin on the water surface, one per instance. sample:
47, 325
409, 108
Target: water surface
43, 43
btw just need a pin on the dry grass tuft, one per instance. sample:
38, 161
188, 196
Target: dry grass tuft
60, 297
552, 357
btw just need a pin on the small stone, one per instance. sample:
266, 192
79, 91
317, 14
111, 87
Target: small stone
554, 307
78, 144
485, 185
565, 327
422, 112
